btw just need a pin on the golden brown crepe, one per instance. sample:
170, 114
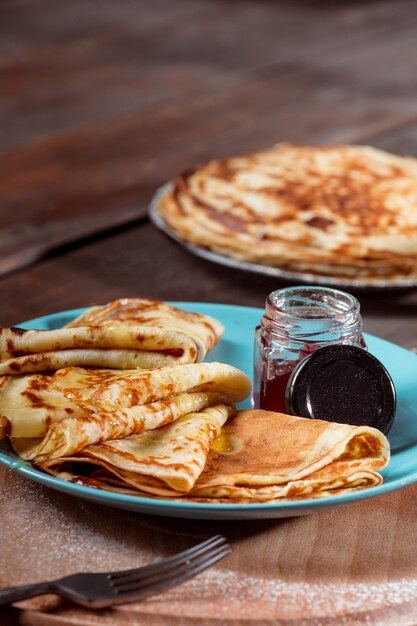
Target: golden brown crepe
259, 456
52, 415
271, 455
119, 346
204, 330
163, 462
346, 211
125, 334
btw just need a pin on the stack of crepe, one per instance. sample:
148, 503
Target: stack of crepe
171, 431
341, 211
53, 396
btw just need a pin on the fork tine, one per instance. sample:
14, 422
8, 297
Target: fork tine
172, 578
143, 581
176, 559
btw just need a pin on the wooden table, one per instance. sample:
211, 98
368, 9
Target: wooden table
101, 102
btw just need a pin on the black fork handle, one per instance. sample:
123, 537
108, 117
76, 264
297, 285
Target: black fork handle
14, 594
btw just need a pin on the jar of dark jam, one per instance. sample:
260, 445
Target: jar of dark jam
297, 321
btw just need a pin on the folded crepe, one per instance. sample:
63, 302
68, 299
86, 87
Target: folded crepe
161, 462
272, 455
259, 456
203, 329
57, 414
124, 334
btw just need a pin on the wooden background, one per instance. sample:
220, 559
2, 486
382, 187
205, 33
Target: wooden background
100, 103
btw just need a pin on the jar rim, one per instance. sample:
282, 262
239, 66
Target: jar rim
310, 302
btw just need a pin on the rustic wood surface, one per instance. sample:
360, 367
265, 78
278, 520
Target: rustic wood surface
100, 103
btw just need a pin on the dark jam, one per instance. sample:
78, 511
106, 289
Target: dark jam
271, 396
273, 393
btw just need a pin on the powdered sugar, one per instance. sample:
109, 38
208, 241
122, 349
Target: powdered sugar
45, 534
218, 593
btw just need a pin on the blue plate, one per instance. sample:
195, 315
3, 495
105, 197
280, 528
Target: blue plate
236, 348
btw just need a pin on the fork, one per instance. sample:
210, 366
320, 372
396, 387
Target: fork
98, 590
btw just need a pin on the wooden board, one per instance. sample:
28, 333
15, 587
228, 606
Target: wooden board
352, 565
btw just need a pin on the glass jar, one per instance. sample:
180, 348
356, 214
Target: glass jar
297, 321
